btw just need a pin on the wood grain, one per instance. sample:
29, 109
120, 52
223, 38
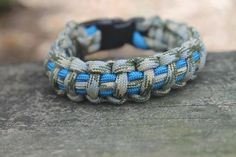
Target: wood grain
197, 120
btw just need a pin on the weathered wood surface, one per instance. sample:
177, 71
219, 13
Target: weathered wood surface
198, 120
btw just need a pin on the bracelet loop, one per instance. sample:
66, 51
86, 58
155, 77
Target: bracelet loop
180, 54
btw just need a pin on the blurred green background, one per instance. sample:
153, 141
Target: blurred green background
28, 27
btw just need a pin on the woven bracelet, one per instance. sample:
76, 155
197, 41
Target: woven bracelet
180, 54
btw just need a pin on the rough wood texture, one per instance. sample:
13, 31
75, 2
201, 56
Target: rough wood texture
198, 120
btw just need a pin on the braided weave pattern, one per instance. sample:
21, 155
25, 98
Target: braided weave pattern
128, 79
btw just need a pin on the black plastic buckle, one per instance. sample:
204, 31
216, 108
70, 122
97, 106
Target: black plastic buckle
115, 32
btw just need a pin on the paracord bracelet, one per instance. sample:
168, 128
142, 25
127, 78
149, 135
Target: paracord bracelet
183, 54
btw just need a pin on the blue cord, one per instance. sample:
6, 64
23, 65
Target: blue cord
63, 72
82, 77
196, 56
135, 75
158, 85
50, 65
107, 78
91, 30
180, 64
104, 93
160, 70
81, 91
139, 41
133, 90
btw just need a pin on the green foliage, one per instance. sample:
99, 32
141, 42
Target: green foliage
6, 4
